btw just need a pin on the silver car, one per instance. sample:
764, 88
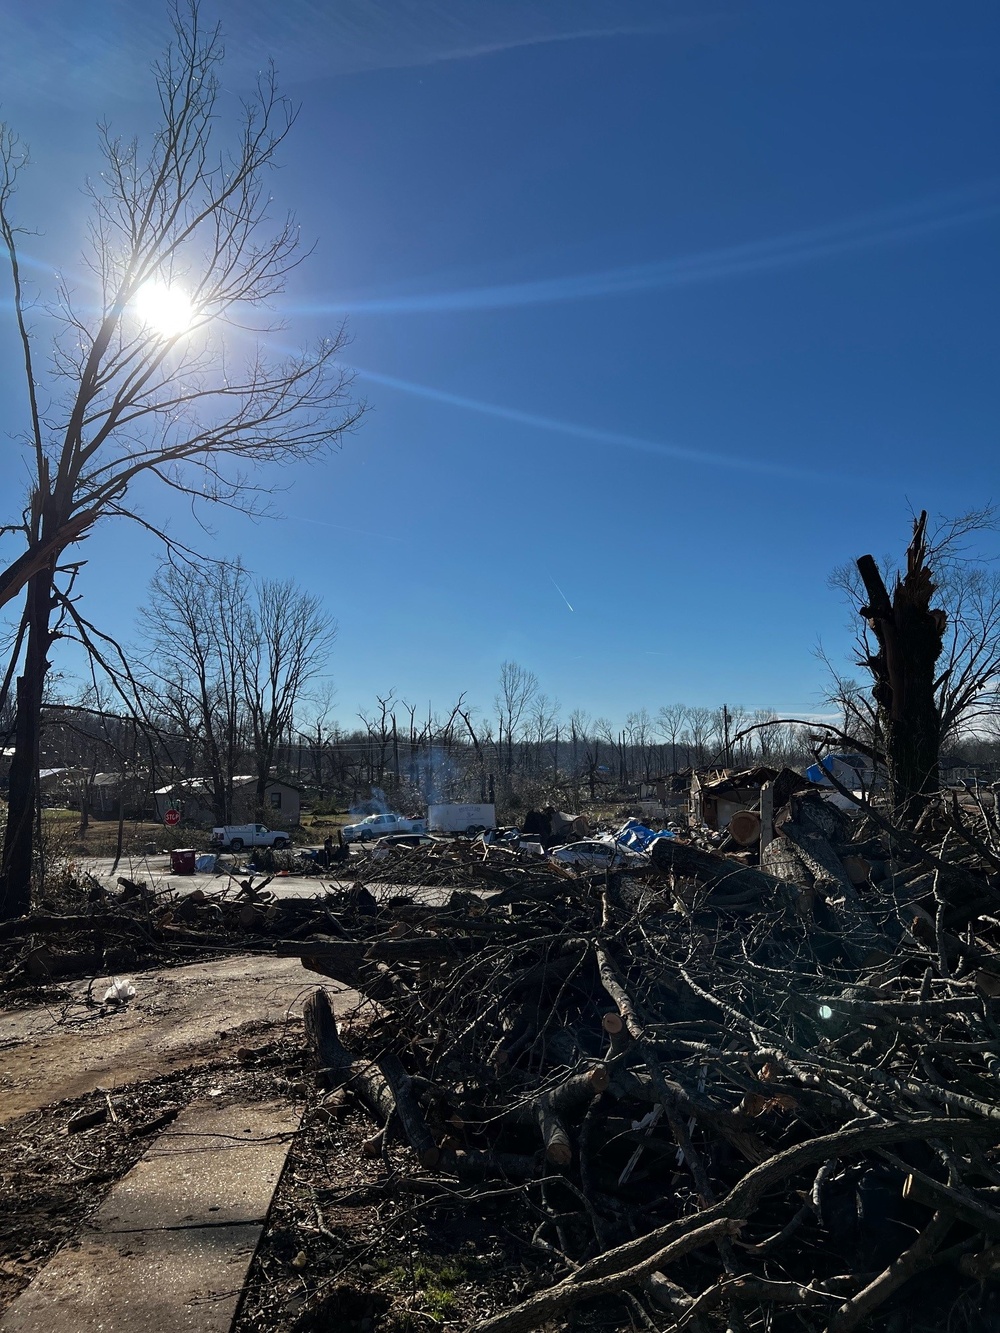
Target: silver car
592, 855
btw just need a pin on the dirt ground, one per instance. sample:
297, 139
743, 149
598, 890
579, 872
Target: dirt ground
356, 1243
58, 1162
352, 1241
181, 1018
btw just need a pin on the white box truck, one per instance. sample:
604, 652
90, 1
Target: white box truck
461, 818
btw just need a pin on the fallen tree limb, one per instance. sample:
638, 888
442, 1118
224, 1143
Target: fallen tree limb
909, 1263
625, 1264
544, 1305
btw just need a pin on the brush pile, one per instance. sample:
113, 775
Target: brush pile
100, 928
732, 1097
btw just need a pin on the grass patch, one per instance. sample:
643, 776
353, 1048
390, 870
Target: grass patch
62, 836
429, 1283
326, 823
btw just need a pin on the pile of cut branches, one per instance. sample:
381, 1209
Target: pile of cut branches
735, 1098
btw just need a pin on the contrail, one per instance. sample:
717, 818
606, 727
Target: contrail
560, 592
976, 203
616, 438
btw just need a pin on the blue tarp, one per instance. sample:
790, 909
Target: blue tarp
850, 770
636, 837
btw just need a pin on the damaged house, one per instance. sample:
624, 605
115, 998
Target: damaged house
742, 803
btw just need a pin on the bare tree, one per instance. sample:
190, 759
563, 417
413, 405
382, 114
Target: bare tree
140, 382
701, 724
380, 729
518, 687
669, 723
543, 723
195, 630
767, 735
638, 736
319, 733
286, 643
228, 666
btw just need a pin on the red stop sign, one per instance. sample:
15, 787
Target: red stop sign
172, 817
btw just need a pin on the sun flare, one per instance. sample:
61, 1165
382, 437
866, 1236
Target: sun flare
166, 310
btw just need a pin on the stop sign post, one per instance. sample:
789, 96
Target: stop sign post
171, 818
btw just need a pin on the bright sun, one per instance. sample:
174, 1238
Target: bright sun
166, 310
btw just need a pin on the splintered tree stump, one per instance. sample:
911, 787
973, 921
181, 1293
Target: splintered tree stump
330, 1058
904, 672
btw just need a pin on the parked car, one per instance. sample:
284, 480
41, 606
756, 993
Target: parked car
504, 837
592, 855
377, 826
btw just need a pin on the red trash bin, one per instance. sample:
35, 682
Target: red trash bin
182, 860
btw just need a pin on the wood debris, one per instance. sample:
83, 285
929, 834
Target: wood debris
728, 1091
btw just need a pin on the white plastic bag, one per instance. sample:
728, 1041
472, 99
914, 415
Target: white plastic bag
120, 991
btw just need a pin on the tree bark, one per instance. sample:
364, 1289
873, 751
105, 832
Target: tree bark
22, 797
716, 871
910, 634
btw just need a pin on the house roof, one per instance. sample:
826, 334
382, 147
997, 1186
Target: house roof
750, 779
203, 786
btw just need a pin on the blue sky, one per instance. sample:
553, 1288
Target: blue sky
661, 310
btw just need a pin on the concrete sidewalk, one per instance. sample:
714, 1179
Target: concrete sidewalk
169, 1249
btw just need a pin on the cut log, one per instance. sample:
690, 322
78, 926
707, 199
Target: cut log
713, 870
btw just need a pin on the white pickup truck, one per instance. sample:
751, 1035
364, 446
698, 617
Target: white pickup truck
377, 826
237, 836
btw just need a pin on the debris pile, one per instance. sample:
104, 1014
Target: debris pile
118, 930
736, 1095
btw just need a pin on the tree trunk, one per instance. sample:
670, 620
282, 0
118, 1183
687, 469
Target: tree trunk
22, 797
910, 635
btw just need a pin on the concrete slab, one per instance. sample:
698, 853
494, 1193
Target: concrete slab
186, 1281
169, 1250
215, 1165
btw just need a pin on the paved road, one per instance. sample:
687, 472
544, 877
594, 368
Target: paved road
156, 873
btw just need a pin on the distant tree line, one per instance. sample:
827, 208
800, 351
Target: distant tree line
392, 754
229, 682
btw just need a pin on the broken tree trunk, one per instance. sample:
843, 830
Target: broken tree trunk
715, 871
910, 634
383, 1086
331, 1059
